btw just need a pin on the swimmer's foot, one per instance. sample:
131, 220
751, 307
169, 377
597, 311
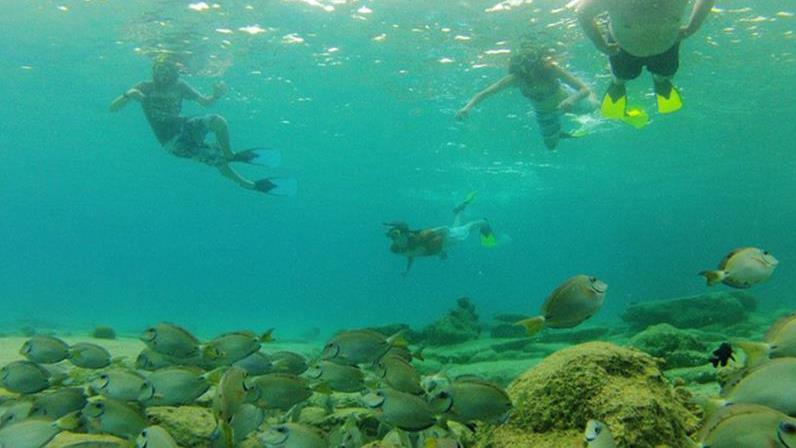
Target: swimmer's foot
614, 102
270, 158
667, 96
277, 186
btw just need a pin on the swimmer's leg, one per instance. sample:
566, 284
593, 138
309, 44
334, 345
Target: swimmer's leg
231, 174
457, 211
218, 125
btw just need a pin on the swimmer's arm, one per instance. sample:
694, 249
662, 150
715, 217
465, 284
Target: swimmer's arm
133, 93
698, 15
581, 89
504, 82
192, 94
588, 10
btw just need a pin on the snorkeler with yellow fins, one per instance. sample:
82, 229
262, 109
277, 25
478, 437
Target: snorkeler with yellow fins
436, 241
641, 34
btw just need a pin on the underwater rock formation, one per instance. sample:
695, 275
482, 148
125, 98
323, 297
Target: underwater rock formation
459, 325
622, 387
679, 348
70, 439
103, 332
717, 308
189, 425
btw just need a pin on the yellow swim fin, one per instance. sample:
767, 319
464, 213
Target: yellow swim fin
636, 117
614, 102
488, 239
668, 97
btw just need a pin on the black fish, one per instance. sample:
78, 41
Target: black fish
721, 355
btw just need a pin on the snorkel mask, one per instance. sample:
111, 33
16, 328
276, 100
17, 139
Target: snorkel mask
165, 71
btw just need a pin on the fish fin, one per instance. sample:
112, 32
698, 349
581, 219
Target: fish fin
277, 186
398, 339
268, 336
709, 405
614, 102
756, 352
214, 376
70, 422
533, 325
267, 157
713, 277
322, 388
210, 353
667, 96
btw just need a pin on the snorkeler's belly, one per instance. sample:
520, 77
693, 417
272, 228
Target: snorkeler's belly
646, 42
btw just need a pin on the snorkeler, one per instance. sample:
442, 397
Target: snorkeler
534, 71
161, 100
641, 34
437, 240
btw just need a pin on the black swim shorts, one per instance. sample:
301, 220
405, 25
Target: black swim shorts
625, 66
190, 142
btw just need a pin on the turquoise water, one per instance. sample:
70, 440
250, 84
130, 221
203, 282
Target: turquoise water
100, 225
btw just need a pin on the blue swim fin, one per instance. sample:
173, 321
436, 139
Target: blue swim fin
277, 186
271, 158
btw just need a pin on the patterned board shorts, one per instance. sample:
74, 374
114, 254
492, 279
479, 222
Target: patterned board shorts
190, 142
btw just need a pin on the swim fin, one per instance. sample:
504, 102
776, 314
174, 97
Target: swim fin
577, 133
636, 117
277, 186
271, 158
467, 200
488, 239
668, 97
614, 102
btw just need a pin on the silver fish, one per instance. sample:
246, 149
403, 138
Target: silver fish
360, 346
89, 356
119, 384
597, 435
105, 415
171, 340
293, 435
36, 432
173, 386
471, 399
743, 268
25, 377
155, 437
59, 403
228, 348
573, 302
401, 410
339, 377
45, 349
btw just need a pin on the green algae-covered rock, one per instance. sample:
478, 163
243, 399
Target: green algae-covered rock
705, 310
679, 348
459, 325
620, 386
190, 426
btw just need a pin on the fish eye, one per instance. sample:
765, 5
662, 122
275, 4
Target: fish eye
143, 433
281, 429
598, 429
592, 279
787, 428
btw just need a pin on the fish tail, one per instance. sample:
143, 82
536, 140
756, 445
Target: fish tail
756, 352
533, 325
709, 405
713, 277
268, 336
69, 422
398, 339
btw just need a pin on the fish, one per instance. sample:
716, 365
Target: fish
119, 384
743, 268
230, 395
228, 348
171, 340
293, 435
106, 415
597, 435
401, 410
36, 432
770, 384
25, 377
470, 399
398, 374
14, 411
277, 390
573, 302
58, 403
722, 355
89, 356
347, 435
288, 362
173, 386
360, 346
45, 349
339, 377
246, 420
258, 363
149, 359
779, 342
155, 437
747, 426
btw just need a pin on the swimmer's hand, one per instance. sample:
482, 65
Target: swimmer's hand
219, 89
463, 113
134, 94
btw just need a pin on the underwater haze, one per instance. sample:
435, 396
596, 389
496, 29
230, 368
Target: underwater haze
98, 224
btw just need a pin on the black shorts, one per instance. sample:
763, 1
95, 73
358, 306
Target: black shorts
190, 142
625, 66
